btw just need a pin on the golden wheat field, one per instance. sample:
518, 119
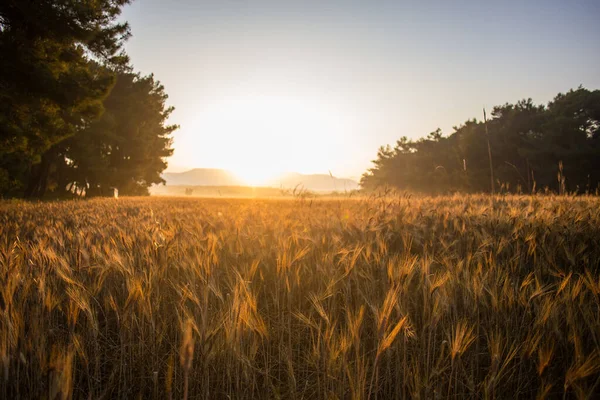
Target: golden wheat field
388, 297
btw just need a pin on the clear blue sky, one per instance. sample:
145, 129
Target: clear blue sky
322, 84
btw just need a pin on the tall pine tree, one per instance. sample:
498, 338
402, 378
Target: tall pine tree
53, 79
124, 149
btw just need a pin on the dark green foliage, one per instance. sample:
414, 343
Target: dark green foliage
54, 56
126, 147
74, 119
528, 142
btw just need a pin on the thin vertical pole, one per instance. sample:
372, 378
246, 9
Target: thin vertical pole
487, 134
528, 177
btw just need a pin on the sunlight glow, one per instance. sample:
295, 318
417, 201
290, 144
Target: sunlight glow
256, 176
265, 136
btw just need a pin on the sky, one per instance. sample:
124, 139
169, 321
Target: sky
262, 87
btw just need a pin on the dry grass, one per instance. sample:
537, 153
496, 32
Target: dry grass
389, 297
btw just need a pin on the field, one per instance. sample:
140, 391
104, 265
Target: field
217, 191
243, 192
383, 297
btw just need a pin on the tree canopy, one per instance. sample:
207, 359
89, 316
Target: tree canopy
59, 62
554, 146
126, 147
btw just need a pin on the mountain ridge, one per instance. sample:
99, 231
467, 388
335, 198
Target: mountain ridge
290, 180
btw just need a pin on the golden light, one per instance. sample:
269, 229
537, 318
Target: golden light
256, 176
264, 136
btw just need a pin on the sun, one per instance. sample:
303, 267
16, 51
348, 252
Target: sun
256, 175
259, 137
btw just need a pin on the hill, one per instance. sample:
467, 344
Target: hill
314, 182
202, 177
220, 177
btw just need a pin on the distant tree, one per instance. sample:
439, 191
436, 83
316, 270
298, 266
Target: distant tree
512, 129
528, 141
53, 78
571, 134
432, 164
124, 149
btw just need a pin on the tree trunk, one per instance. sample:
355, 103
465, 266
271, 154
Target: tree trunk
40, 175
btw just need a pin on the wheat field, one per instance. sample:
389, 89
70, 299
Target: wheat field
383, 297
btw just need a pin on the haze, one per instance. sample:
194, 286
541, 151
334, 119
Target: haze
262, 87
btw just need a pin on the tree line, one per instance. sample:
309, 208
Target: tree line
553, 147
75, 118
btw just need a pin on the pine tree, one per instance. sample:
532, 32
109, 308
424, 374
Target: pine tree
53, 78
126, 148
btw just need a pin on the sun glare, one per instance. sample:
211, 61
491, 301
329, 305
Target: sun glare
263, 136
256, 176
